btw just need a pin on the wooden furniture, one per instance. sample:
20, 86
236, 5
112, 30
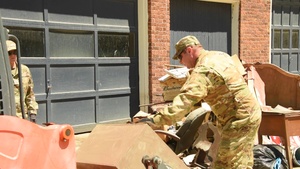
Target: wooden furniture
280, 88
283, 125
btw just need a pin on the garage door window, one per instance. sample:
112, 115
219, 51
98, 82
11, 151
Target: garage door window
31, 42
71, 44
115, 45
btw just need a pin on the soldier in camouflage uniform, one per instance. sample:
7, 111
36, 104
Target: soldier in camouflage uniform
30, 105
216, 80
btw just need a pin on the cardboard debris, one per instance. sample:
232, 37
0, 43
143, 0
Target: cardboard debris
141, 114
178, 73
278, 109
172, 82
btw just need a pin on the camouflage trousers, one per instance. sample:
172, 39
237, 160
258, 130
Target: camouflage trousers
236, 145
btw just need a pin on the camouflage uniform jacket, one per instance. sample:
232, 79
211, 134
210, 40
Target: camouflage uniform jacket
30, 105
216, 81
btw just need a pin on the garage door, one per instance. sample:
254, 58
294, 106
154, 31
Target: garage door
82, 55
285, 50
209, 22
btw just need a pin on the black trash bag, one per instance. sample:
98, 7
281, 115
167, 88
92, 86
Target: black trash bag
269, 156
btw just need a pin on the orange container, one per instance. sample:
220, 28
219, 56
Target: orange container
24, 144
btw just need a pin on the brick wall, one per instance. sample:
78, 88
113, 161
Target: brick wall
159, 44
254, 37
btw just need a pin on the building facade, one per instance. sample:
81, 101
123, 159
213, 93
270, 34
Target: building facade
96, 61
248, 34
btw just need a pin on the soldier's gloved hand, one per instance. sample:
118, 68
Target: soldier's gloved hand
32, 118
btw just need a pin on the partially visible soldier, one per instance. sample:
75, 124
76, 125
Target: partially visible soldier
30, 105
216, 80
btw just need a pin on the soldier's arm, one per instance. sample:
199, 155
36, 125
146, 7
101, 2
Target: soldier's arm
193, 91
30, 101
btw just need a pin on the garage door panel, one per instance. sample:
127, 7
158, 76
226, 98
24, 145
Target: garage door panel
113, 108
22, 10
295, 15
210, 22
61, 112
80, 12
277, 15
113, 77
216, 41
195, 16
294, 62
41, 112
39, 75
107, 15
276, 59
284, 60
71, 79
67, 44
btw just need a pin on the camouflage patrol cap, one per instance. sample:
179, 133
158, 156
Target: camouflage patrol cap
11, 45
183, 43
